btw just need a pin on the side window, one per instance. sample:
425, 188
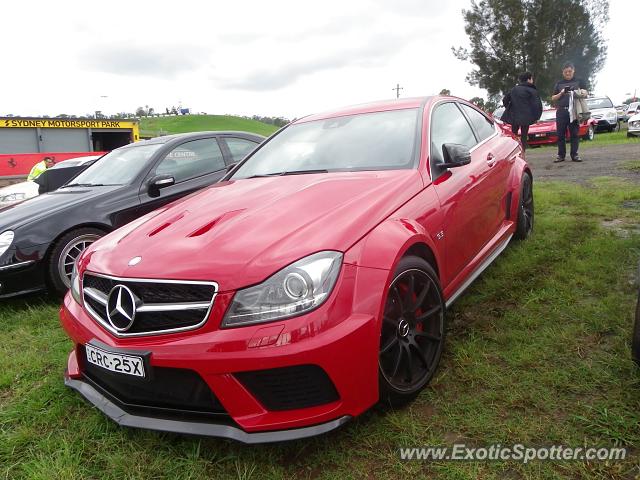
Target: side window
192, 159
448, 125
239, 147
484, 127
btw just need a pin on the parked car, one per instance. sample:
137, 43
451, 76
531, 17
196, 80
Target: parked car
309, 284
47, 181
604, 112
53, 178
545, 132
634, 108
17, 192
40, 238
622, 112
634, 126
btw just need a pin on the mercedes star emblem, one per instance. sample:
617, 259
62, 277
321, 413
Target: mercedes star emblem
121, 308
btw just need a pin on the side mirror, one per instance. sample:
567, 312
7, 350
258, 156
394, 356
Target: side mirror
160, 181
455, 155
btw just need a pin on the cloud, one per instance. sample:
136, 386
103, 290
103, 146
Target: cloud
374, 52
152, 61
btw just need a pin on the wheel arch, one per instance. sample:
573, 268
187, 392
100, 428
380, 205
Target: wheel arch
100, 226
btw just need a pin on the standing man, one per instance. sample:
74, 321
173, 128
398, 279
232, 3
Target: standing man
40, 167
523, 106
562, 95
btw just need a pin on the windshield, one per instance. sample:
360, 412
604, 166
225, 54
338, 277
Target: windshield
548, 116
599, 103
118, 167
371, 141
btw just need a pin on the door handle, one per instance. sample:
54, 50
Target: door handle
491, 160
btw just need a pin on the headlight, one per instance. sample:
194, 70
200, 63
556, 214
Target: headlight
296, 289
612, 115
75, 284
5, 241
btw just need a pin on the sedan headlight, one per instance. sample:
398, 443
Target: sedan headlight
6, 238
75, 284
296, 289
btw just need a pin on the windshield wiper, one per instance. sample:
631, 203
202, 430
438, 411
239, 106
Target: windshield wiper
289, 172
88, 185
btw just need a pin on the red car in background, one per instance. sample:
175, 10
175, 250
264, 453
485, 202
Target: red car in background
544, 132
309, 284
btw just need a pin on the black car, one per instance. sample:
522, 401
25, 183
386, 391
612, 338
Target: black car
40, 238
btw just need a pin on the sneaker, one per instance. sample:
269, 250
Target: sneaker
558, 159
576, 159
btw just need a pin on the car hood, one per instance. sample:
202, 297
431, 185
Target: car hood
48, 204
635, 117
543, 127
240, 232
602, 111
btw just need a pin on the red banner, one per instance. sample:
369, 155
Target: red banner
20, 164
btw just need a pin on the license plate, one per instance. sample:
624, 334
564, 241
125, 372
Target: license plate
541, 135
115, 362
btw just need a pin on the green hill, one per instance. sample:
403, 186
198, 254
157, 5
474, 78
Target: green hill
155, 126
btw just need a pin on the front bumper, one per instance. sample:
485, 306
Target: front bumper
21, 278
341, 338
121, 417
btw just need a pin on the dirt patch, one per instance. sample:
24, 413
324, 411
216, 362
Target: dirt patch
621, 227
604, 161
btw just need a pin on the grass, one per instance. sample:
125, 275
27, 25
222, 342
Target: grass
197, 123
631, 165
537, 353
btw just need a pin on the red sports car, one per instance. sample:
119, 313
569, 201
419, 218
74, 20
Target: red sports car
544, 130
308, 285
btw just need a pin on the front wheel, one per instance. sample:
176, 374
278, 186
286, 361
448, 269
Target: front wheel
64, 254
591, 132
412, 332
524, 225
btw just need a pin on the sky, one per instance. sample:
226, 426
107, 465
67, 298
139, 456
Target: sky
286, 58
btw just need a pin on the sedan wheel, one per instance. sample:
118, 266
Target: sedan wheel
412, 332
524, 226
65, 253
590, 133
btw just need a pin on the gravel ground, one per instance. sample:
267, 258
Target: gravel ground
596, 162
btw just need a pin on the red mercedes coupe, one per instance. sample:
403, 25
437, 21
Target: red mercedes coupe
308, 285
544, 131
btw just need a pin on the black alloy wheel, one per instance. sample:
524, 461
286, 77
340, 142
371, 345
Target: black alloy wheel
412, 333
524, 226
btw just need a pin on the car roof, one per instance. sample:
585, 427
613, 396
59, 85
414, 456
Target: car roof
380, 106
195, 136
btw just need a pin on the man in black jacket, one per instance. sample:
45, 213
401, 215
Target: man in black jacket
561, 95
523, 106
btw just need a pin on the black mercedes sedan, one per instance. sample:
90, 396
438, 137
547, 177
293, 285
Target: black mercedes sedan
41, 238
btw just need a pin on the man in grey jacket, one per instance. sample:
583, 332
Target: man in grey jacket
523, 106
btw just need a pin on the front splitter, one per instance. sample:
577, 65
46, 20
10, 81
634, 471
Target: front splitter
118, 415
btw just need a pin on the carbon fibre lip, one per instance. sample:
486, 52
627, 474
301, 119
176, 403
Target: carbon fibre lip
115, 413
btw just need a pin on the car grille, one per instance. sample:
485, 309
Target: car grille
289, 388
166, 390
162, 306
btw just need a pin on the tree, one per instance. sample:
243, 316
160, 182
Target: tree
445, 91
509, 37
141, 112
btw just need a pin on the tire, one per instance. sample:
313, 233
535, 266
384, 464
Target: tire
66, 249
524, 225
412, 332
590, 133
